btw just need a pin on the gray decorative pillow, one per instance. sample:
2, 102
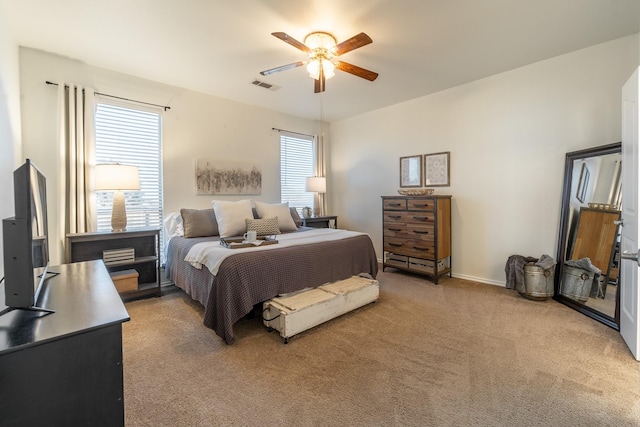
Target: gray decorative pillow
263, 226
295, 216
199, 222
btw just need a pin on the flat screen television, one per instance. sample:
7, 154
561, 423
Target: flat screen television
25, 240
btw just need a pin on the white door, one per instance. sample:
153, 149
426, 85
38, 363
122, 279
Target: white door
629, 295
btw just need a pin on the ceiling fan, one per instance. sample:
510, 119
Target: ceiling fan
322, 48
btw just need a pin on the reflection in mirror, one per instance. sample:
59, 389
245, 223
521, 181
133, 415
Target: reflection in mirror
587, 277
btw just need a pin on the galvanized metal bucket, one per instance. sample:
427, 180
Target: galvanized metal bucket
576, 283
538, 283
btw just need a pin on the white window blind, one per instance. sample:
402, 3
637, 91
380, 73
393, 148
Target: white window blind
296, 164
131, 136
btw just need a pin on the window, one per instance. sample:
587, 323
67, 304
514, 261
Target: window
297, 161
131, 136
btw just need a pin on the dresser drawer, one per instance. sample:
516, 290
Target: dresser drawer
426, 265
409, 231
415, 248
419, 248
420, 217
420, 205
394, 217
393, 244
423, 265
408, 217
395, 230
394, 204
396, 260
420, 231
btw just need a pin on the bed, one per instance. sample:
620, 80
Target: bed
250, 277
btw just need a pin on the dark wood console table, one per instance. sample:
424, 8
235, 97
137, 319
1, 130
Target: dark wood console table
146, 245
65, 368
326, 221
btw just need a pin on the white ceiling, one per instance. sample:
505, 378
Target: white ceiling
218, 47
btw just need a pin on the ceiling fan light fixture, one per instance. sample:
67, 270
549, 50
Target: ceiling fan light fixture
313, 67
320, 40
321, 49
328, 68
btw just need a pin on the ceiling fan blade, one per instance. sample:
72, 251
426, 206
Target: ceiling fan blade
356, 71
282, 68
319, 84
354, 42
293, 42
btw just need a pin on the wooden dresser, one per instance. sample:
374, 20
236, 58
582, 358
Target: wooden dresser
417, 234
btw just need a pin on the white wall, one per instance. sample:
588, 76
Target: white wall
196, 126
507, 135
9, 122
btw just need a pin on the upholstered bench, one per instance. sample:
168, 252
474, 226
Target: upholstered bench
298, 311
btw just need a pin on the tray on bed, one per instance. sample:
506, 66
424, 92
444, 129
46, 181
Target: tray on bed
238, 242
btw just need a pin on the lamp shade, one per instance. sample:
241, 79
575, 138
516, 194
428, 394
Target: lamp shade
116, 177
316, 184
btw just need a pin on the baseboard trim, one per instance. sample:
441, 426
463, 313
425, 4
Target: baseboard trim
470, 278
479, 280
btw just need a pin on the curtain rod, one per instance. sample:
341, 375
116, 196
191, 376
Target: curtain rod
165, 107
288, 131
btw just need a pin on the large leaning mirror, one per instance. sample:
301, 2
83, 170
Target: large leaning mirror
588, 242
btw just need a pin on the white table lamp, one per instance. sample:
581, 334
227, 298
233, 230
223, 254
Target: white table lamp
117, 178
317, 184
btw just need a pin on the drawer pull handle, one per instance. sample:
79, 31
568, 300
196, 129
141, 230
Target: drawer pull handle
420, 218
421, 205
395, 245
420, 249
395, 216
420, 232
395, 204
395, 229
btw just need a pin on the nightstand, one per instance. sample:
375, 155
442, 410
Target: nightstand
145, 261
320, 221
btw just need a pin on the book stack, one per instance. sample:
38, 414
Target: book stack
118, 256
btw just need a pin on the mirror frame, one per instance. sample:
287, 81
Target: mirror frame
570, 158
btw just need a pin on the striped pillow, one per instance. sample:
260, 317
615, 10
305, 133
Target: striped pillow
263, 226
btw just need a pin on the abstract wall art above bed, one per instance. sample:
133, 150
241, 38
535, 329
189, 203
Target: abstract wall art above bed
224, 177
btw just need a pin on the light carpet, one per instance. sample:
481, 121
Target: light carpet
455, 354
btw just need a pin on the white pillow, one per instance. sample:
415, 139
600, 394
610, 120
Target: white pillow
231, 216
281, 210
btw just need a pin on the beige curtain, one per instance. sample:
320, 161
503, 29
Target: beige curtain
76, 143
320, 199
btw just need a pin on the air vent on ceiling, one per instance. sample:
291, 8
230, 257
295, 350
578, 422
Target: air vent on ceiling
265, 85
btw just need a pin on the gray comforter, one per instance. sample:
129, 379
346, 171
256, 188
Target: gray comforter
246, 279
